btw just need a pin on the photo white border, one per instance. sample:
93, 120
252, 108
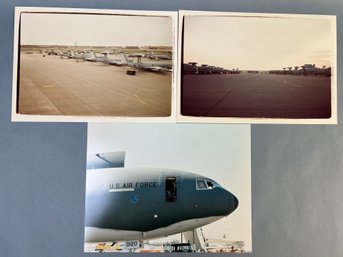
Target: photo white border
69, 118
103, 137
191, 119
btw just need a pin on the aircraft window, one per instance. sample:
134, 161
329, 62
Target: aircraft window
202, 184
209, 184
171, 189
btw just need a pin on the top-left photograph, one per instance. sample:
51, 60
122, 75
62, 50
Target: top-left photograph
88, 65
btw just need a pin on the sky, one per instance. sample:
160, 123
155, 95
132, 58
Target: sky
221, 152
95, 30
258, 43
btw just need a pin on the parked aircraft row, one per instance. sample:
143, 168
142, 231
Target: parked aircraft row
152, 55
120, 59
306, 69
155, 56
193, 68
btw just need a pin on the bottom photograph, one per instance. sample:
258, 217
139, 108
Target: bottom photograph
168, 188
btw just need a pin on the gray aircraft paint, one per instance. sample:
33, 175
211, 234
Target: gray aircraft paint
134, 199
151, 66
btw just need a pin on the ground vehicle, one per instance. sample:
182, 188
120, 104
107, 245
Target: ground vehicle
183, 248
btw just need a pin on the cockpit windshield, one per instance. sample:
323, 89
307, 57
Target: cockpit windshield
205, 184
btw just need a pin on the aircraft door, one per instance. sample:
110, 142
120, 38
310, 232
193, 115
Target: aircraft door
171, 189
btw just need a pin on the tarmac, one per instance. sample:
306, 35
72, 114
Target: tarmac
256, 96
51, 85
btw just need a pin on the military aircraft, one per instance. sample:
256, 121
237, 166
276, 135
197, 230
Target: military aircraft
306, 70
118, 61
93, 57
143, 203
77, 56
156, 56
150, 66
311, 69
62, 53
190, 68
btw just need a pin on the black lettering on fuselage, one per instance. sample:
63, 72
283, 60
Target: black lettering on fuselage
127, 185
143, 184
114, 186
147, 184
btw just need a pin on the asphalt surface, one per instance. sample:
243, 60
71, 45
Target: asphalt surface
256, 96
51, 85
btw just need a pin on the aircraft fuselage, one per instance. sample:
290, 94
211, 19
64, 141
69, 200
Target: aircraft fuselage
125, 204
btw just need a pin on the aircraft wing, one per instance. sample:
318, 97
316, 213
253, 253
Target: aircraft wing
117, 63
106, 160
157, 68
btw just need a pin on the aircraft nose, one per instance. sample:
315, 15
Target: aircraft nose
232, 203
236, 202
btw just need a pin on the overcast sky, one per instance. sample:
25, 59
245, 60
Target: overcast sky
95, 30
221, 152
259, 43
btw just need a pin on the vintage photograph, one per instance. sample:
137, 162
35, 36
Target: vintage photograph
168, 188
258, 68
94, 63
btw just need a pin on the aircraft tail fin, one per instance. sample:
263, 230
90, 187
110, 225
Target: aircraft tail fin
106, 160
106, 60
125, 58
92, 56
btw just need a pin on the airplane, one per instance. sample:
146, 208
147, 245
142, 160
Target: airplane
118, 62
93, 57
104, 58
61, 53
137, 54
50, 51
311, 69
306, 70
150, 66
128, 203
152, 55
77, 56
190, 68
204, 69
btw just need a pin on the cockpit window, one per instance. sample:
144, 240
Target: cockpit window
209, 184
201, 184
205, 184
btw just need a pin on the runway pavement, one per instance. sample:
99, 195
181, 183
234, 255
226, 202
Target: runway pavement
51, 85
256, 95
